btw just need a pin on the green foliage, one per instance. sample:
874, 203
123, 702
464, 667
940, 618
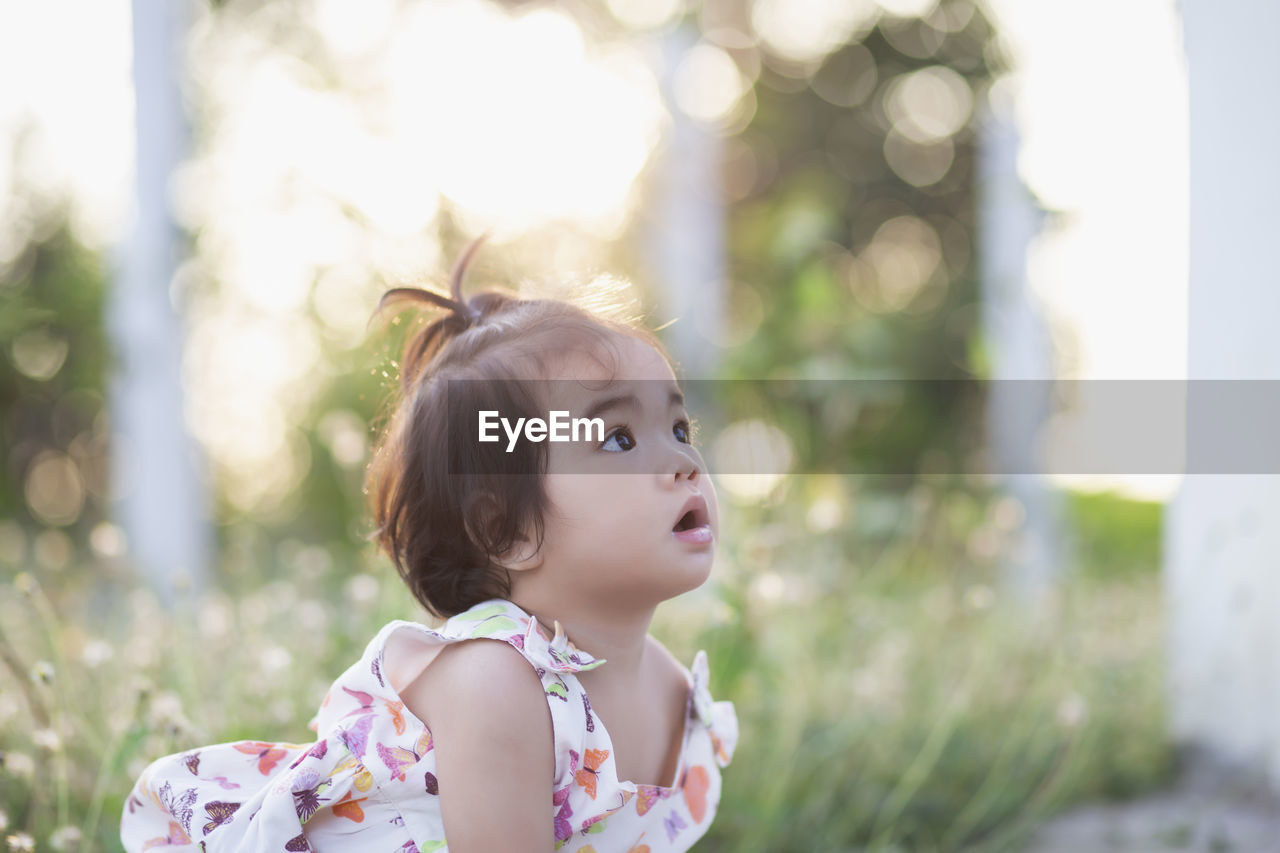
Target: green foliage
1113, 534
841, 299
890, 709
880, 706
54, 365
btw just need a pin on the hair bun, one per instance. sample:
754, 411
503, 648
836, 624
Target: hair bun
420, 349
471, 313
456, 304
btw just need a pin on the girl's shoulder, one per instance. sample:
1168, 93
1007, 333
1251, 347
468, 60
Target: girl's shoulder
403, 649
371, 762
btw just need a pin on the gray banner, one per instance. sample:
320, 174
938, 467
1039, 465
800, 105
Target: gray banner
873, 426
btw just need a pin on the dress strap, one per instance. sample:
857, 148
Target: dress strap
502, 619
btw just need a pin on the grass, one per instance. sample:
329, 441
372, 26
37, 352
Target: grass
889, 696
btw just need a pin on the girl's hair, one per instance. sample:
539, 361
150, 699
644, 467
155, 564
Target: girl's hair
445, 507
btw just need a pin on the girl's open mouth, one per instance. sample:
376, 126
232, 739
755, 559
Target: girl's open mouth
693, 525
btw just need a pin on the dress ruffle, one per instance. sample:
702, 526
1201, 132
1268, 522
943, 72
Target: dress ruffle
720, 717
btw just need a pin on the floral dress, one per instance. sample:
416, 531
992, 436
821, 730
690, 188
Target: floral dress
368, 783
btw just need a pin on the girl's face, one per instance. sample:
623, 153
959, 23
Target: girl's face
632, 519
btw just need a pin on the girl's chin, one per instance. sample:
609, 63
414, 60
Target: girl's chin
698, 575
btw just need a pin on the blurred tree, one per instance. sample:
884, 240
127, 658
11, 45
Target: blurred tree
849, 178
852, 240
53, 432
851, 228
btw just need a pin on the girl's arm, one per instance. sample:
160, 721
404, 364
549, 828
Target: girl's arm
491, 732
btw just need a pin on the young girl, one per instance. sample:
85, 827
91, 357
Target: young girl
602, 742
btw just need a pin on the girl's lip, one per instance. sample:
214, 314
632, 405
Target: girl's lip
696, 535
697, 505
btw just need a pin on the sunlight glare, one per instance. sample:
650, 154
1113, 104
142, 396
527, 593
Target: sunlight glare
239, 363
544, 131
341, 298
908, 8
1112, 272
354, 28
71, 85
808, 30
708, 84
264, 263
644, 14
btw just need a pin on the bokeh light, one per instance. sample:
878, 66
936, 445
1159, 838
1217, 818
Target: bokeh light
53, 489
908, 8
807, 30
38, 354
645, 14
846, 78
894, 269
919, 164
708, 84
750, 459
930, 104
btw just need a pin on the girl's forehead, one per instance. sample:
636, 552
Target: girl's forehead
624, 358
625, 367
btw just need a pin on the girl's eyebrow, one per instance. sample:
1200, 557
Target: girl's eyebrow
674, 398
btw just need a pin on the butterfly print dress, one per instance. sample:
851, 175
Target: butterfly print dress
368, 783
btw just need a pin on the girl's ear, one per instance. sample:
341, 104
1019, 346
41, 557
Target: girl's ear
482, 525
523, 556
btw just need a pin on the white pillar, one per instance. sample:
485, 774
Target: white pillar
1021, 359
1222, 532
155, 468
684, 235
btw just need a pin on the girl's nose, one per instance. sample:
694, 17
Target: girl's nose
687, 467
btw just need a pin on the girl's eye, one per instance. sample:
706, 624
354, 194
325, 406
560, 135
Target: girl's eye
624, 443
621, 439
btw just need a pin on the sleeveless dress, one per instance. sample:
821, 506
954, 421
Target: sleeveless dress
368, 782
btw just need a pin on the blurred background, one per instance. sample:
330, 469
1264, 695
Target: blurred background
203, 201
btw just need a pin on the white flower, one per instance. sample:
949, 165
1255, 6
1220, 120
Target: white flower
65, 838
21, 841
281, 711
46, 739
275, 659
166, 705
95, 653
979, 597
42, 672
313, 616
165, 713
1072, 711
19, 764
361, 589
